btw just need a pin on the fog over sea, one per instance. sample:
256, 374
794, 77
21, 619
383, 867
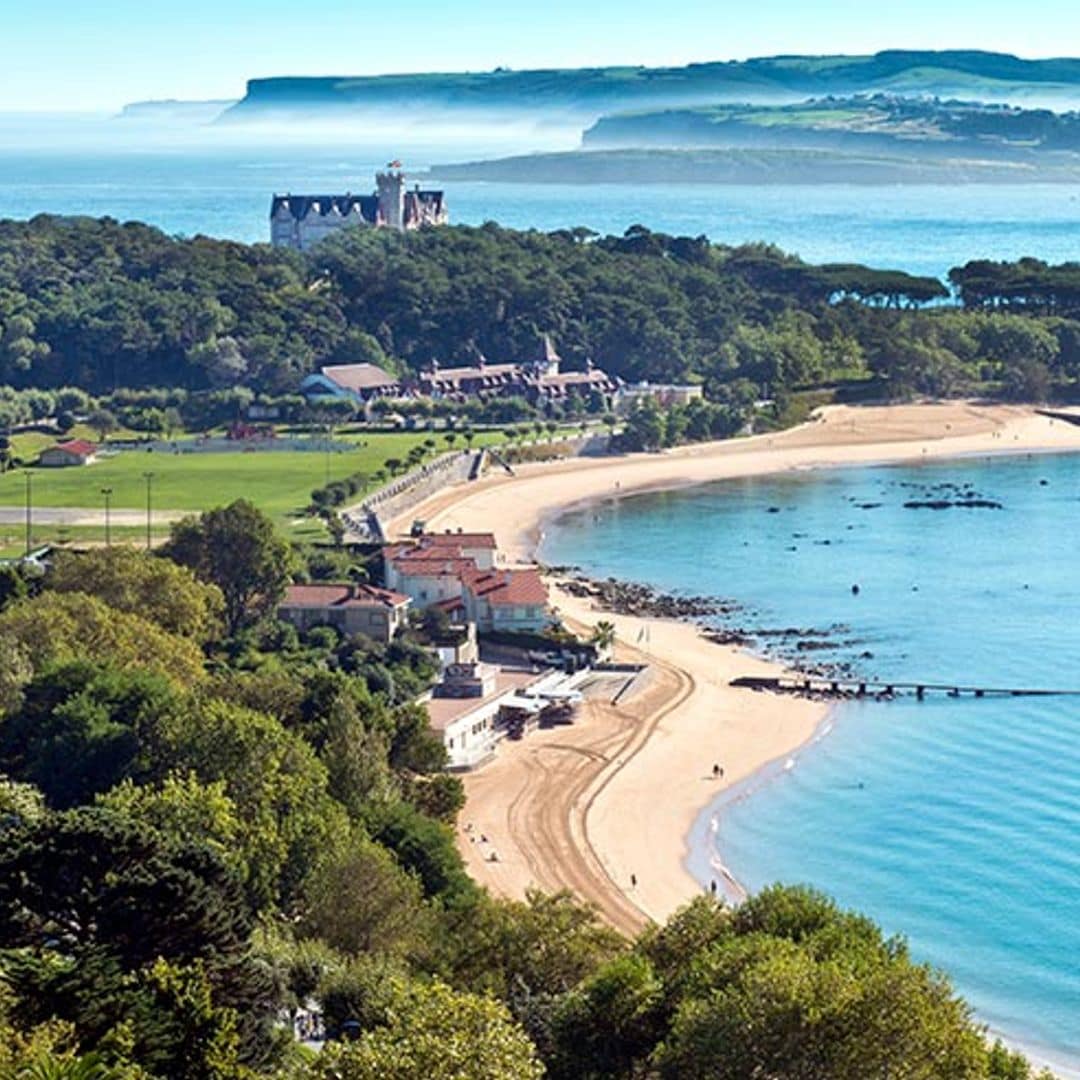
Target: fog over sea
218, 181
953, 821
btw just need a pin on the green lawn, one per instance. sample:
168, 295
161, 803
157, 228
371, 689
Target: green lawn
13, 537
280, 482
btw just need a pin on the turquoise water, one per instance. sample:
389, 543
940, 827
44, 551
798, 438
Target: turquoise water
224, 190
953, 821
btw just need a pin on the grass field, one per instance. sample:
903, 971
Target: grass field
13, 537
279, 482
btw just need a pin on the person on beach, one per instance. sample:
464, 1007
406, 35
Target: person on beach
633, 881
718, 773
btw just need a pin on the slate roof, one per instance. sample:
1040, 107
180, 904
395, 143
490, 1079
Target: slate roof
358, 376
302, 205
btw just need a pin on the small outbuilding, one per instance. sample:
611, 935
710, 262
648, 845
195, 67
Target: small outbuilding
73, 452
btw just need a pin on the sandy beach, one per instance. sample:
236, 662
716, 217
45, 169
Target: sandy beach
604, 807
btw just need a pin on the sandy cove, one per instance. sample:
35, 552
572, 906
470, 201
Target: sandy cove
611, 800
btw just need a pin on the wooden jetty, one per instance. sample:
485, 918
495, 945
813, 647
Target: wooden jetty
824, 686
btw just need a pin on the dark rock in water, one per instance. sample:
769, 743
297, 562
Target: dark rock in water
728, 637
773, 510
948, 504
868, 506
632, 598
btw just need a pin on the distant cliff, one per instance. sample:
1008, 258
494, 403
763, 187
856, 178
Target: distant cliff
592, 92
169, 110
741, 166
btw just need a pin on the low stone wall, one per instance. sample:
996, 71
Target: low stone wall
366, 521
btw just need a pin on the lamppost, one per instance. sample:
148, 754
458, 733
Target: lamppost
149, 478
107, 492
29, 477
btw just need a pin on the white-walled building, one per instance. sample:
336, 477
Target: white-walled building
302, 221
439, 568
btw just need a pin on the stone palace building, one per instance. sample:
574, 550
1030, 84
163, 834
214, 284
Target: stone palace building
301, 221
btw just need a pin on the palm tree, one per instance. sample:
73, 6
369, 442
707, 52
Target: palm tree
603, 635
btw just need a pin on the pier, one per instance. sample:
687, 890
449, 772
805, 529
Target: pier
825, 686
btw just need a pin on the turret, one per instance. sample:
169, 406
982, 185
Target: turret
391, 188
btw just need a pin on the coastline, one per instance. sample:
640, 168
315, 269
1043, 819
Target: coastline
629, 813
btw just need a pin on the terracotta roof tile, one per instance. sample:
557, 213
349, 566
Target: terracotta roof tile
521, 587
77, 446
332, 594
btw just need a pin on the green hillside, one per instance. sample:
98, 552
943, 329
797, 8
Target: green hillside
595, 91
878, 123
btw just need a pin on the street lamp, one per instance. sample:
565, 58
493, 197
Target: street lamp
107, 492
149, 478
29, 478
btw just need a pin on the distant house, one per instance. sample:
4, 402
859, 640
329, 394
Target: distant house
539, 380
664, 394
360, 382
73, 452
349, 608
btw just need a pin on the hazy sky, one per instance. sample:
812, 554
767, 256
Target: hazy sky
73, 54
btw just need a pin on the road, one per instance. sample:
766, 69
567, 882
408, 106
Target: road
74, 515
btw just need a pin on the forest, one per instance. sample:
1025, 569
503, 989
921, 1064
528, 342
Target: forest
221, 840
107, 307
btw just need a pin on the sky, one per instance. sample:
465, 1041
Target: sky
73, 55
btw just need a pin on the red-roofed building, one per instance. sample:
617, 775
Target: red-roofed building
458, 570
506, 600
72, 452
351, 609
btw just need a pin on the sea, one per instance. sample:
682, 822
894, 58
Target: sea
955, 822
952, 821
218, 182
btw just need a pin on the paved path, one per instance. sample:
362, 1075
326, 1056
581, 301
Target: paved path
74, 515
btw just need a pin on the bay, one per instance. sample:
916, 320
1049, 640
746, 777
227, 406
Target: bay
219, 183
955, 822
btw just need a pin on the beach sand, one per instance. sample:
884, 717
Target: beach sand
604, 807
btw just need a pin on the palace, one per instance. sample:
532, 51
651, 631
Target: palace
301, 221
540, 379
